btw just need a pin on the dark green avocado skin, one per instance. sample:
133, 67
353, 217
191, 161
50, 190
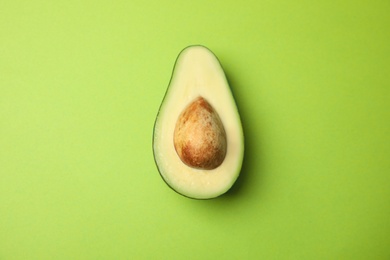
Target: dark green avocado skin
154, 127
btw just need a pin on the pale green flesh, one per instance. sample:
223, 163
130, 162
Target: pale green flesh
198, 73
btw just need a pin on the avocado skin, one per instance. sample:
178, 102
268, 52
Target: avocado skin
157, 117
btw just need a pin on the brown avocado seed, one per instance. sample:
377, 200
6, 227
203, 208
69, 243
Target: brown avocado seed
199, 137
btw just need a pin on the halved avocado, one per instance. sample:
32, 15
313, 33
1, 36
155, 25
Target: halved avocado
198, 141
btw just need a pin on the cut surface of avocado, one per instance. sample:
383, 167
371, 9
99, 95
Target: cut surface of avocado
198, 141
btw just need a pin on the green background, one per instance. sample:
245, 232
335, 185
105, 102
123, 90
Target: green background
80, 86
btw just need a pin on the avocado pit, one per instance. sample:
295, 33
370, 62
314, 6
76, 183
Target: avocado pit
199, 136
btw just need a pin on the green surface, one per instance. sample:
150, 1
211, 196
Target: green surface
80, 86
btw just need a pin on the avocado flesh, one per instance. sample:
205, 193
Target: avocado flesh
198, 73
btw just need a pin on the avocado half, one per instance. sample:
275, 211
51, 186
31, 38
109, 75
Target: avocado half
198, 141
